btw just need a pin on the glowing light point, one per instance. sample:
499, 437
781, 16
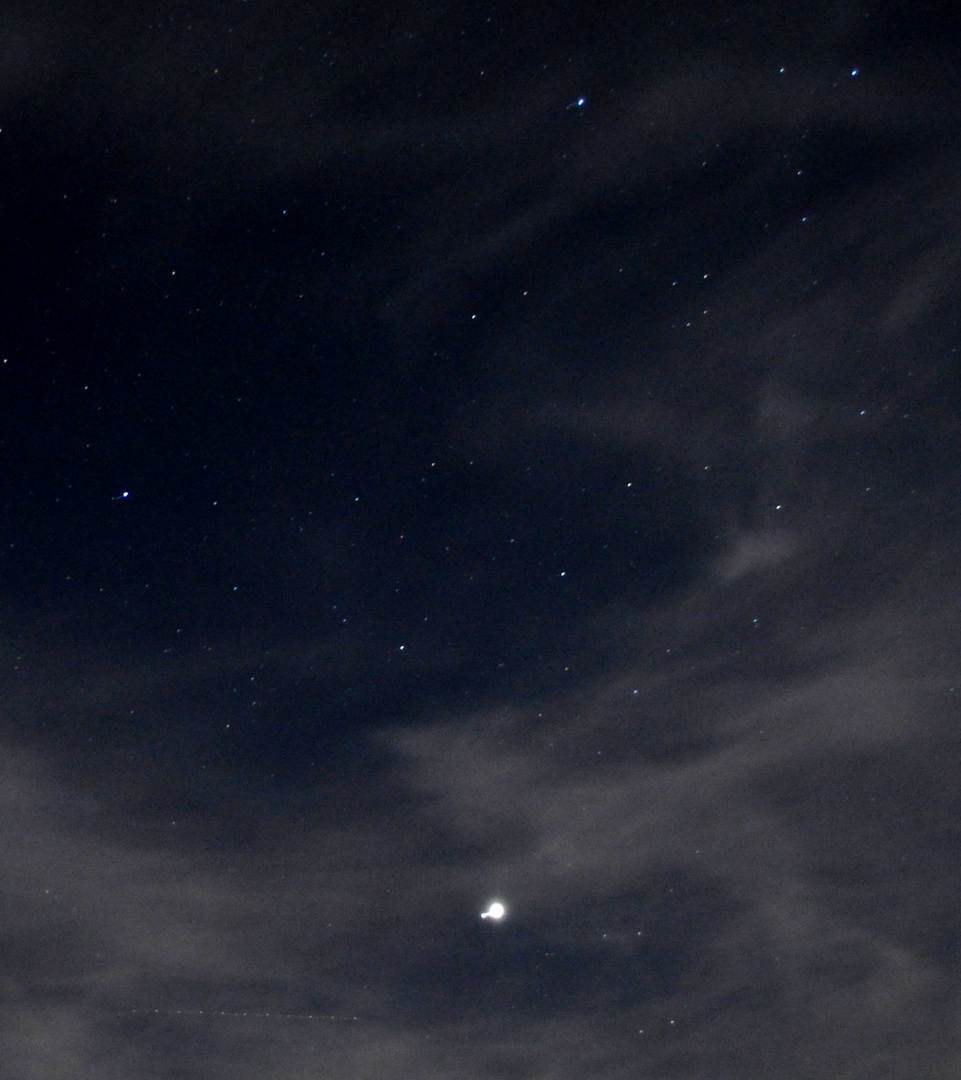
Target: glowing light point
495, 911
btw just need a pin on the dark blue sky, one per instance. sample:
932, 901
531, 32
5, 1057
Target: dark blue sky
456, 454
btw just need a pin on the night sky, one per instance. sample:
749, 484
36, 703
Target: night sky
458, 454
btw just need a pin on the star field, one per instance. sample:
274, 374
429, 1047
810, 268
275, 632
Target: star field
478, 541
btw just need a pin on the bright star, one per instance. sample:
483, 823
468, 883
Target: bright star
495, 911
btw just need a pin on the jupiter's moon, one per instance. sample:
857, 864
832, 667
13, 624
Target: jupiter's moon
495, 911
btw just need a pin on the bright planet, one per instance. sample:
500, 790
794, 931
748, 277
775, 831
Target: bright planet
495, 911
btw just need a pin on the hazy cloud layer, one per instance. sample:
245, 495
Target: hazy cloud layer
752, 871
727, 837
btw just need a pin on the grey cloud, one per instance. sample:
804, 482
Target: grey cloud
751, 553
584, 819
771, 813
